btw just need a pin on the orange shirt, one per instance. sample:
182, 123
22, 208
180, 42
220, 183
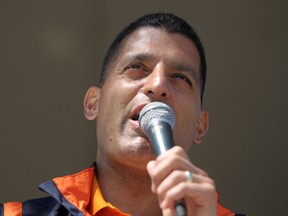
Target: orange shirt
98, 206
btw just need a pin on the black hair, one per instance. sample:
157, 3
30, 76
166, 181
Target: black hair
166, 21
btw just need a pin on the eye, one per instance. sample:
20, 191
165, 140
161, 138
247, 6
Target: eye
135, 70
184, 78
136, 67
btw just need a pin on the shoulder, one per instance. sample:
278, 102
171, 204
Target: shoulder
46, 205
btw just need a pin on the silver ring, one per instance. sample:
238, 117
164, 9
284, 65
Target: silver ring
189, 176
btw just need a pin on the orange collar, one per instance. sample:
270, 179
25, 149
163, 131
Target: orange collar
82, 190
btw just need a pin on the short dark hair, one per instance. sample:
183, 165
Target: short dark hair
166, 21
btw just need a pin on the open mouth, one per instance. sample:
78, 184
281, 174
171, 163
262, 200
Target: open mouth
135, 117
136, 112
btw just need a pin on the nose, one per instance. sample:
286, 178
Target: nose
156, 84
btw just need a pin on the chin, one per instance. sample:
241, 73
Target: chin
140, 153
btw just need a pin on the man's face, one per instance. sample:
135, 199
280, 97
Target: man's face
152, 65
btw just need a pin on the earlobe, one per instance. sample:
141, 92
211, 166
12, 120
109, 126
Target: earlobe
91, 101
202, 127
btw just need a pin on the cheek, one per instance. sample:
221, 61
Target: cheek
186, 122
115, 96
120, 90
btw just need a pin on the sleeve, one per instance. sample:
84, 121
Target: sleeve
11, 209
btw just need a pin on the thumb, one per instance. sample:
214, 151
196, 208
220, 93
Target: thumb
150, 169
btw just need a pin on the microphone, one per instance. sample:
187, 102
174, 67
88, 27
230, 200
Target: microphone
157, 120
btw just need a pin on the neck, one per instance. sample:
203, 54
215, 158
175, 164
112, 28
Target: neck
128, 189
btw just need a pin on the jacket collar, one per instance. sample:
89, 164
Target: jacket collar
72, 191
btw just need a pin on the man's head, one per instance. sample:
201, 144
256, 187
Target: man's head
165, 21
147, 64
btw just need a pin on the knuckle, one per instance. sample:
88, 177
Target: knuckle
178, 150
203, 173
210, 190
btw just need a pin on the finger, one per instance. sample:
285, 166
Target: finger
176, 153
168, 212
176, 150
162, 169
202, 195
150, 168
176, 177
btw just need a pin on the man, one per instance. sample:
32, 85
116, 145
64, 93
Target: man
159, 57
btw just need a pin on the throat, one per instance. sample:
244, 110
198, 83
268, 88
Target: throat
129, 191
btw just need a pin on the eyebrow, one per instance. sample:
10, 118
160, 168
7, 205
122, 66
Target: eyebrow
142, 57
174, 64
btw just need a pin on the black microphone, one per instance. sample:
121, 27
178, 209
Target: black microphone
157, 120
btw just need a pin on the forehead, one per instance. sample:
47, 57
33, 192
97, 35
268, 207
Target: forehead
159, 44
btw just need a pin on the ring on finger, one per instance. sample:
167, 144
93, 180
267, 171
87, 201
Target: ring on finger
189, 176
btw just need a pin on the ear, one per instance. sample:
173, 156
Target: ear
202, 127
91, 102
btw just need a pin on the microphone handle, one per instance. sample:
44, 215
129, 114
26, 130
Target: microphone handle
161, 138
180, 208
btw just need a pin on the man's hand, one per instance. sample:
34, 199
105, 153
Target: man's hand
170, 183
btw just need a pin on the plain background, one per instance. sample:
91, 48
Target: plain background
51, 52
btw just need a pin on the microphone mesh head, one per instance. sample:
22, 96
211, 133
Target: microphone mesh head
156, 111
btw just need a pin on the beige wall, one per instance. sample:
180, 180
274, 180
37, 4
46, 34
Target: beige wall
50, 54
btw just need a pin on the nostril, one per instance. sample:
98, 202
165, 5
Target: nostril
163, 94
